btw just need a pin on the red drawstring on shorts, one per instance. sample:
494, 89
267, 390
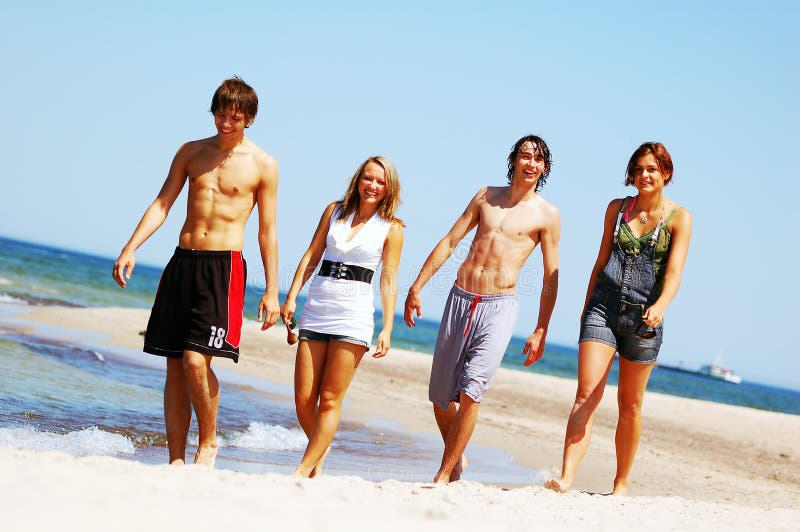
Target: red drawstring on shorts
471, 312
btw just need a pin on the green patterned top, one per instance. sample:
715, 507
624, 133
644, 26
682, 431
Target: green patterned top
633, 246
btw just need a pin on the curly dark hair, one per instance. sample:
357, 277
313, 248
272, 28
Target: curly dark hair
539, 148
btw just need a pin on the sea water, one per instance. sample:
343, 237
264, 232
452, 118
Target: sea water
63, 390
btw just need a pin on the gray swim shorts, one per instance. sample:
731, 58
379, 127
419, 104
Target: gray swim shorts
473, 338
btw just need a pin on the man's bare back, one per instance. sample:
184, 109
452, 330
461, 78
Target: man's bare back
508, 230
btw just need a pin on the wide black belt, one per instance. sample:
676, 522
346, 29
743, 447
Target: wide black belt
340, 270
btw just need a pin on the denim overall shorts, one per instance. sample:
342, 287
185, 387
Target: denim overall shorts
624, 289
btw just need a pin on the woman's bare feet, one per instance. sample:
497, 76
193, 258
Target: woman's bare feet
317, 470
558, 485
620, 489
313, 471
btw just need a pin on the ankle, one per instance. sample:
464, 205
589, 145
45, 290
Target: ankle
302, 472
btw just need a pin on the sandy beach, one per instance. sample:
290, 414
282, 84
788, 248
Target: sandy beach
700, 465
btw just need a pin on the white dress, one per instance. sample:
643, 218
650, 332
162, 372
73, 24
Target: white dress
346, 306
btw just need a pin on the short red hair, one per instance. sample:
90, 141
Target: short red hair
657, 150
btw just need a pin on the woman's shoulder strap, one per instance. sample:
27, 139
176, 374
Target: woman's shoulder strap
623, 202
675, 209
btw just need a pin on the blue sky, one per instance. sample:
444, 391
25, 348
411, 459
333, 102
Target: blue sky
99, 96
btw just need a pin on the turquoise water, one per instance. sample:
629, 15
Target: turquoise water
59, 392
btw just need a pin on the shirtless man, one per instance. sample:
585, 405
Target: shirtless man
482, 308
197, 313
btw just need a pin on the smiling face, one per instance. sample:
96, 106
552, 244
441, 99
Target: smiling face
529, 164
646, 174
372, 185
375, 185
647, 156
230, 123
235, 96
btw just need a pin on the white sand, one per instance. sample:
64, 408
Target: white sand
700, 465
54, 491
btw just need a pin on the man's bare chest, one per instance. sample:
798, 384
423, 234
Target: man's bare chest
511, 223
230, 177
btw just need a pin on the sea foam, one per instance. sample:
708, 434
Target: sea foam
5, 298
266, 437
87, 442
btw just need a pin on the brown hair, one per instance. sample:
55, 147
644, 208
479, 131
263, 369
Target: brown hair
663, 160
236, 95
390, 201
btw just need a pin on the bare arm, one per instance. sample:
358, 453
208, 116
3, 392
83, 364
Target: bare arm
604, 254
679, 248
308, 263
464, 224
153, 217
391, 258
266, 198
550, 235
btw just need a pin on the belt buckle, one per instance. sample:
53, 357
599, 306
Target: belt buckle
339, 270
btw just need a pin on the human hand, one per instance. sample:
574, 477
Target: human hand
413, 304
534, 347
287, 310
287, 316
383, 344
123, 268
653, 316
268, 310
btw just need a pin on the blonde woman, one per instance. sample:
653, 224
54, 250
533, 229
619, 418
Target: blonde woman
353, 238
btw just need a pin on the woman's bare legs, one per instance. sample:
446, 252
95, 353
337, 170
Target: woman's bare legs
594, 363
633, 379
337, 369
308, 367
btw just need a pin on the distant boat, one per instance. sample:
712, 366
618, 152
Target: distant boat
716, 371
713, 371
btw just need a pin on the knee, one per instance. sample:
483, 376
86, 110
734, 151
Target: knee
193, 363
630, 409
587, 396
329, 400
303, 401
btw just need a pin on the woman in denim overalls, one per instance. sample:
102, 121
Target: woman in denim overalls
636, 275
